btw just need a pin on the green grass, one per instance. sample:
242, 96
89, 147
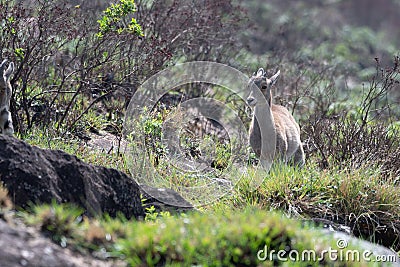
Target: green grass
230, 239
312, 191
207, 239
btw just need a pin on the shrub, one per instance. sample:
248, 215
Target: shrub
366, 137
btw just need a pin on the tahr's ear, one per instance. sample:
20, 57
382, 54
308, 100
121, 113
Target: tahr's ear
9, 71
275, 77
2, 66
3, 63
260, 72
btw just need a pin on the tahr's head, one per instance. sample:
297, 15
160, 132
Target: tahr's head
260, 82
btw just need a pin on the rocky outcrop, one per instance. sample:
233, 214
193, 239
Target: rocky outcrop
35, 175
164, 199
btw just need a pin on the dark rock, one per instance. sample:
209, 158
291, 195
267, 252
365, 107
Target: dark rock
22, 246
164, 199
35, 175
383, 232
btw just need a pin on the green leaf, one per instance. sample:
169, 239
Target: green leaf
111, 22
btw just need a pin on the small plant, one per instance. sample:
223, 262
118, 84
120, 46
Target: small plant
153, 215
151, 129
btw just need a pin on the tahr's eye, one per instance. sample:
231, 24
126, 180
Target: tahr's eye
264, 87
